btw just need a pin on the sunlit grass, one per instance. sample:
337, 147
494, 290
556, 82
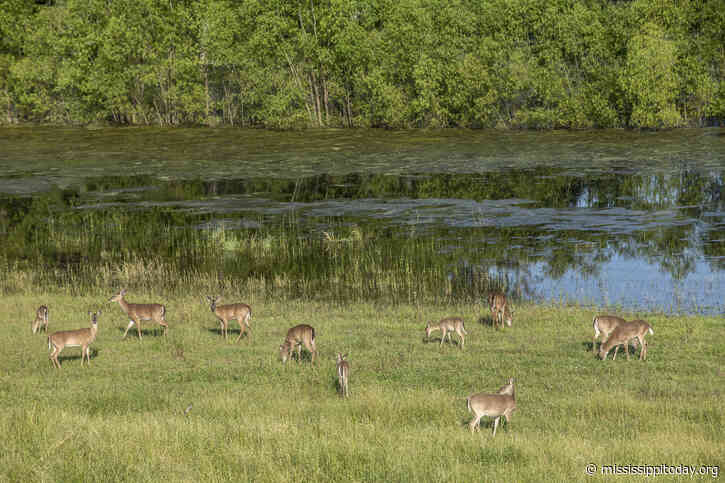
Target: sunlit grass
253, 418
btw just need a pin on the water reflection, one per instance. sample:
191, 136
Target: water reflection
647, 237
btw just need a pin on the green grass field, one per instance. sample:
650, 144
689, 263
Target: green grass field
122, 418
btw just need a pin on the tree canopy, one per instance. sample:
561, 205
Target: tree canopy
364, 63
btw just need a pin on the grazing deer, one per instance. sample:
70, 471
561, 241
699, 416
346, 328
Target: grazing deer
41, 319
496, 405
138, 312
296, 336
623, 334
74, 338
343, 371
446, 326
500, 309
242, 313
604, 325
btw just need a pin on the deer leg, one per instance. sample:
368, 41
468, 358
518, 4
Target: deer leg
242, 329
463, 341
474, 423
130, 324
138, 328
495, 425
312, 350
52, 356
643, 349
616, 349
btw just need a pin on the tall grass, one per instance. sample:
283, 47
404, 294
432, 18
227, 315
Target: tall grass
252, 418
153, 250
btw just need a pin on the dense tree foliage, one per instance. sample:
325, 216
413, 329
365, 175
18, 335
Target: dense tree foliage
403, 63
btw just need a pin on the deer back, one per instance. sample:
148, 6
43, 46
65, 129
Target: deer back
605, 324
237, 311
491, 404
497, 301
300, 334
76, 337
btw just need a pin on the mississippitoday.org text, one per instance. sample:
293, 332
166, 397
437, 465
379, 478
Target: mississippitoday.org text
653, 470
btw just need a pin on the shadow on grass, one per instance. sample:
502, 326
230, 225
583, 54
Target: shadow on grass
156, 332
63, 357
485, 425
230, 332
437, 341
488, 322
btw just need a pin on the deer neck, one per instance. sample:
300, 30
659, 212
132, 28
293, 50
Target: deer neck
124, 305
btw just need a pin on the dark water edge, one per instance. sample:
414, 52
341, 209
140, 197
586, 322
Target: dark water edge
615, 218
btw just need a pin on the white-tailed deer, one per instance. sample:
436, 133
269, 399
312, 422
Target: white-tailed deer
343, 372
242, 313
296, 337
41, 320
500, 309
446, 326
496, 405
605, 325
74, 338
623, 334
507, 388
138, 312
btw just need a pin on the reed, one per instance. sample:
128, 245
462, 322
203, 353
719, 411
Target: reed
104, 250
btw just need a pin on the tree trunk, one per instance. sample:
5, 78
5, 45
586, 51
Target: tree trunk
316, 99
349, 107
326, 101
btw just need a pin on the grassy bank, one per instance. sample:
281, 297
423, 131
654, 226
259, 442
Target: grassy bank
255, 419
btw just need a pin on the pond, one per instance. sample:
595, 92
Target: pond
613, 219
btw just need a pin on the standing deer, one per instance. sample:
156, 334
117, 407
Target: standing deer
503, 403
446, 326
605, 325
343, 371
74, 338
242, 313
500, 309
623, 334
296, 336
41, 319
138, 312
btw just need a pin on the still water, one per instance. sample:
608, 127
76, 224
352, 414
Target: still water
603, 218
